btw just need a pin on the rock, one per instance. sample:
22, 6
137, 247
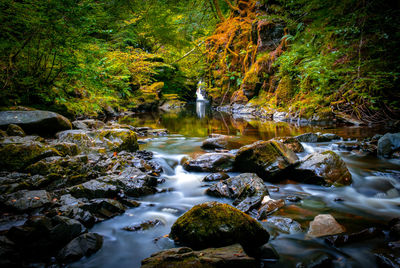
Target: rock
307, 137
214, 224
104, 208
211, 162
269, 206
220, 176
172, 105
118, 139
221, 142
27, 200
283, 225
247, 189
224, 257
292, 143
35, 122
88, 124
41, 237
323, 225
79, 137
66, 148
71, 208
268, 159
133, 182
83, 245
15, 130
325, 137
394, 227
93, 189
18, 156
325, 168
388, 144
267, 252
3, 134
143, 226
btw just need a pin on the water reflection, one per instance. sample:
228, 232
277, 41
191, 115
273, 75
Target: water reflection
200, 109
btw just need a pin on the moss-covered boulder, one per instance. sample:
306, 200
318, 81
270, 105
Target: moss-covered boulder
224, 257
80, 137
247, 189
212, 162
325, 168
269, 159
214, 224
18, 156
38, 122
88, 124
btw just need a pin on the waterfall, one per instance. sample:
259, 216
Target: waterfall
199, 95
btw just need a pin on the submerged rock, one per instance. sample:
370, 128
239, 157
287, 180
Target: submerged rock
38, 122
283, 225
247, 189
268, 159
325, 168
211, 162
224, 257
83, 245
143, 226
324, 225
214, 224
388, 144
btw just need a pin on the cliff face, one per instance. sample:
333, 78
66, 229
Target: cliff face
308, 58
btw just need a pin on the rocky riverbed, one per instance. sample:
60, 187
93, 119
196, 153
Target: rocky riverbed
234, 203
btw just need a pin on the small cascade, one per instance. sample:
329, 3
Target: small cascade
199, 94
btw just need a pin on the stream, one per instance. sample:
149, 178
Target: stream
371, 201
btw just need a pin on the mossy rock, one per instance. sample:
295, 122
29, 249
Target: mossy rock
15, 130
284, 91
325, 168
214, 224
268, 159
18, 156
292, 143
120, 139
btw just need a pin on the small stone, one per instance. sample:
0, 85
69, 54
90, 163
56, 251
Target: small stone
323, 225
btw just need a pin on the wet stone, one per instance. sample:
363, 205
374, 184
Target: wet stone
143, 226
83, 245
323, 225
220, 176
27, 200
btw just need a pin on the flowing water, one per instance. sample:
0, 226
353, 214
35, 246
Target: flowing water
371, 200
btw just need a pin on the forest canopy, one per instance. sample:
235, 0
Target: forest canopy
80, 56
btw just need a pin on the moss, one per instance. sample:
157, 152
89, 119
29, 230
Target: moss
284, 91
18, 156
214, 224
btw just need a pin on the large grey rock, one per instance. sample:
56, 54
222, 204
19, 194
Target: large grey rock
247, 189
214, 224
224, 257
83, 245
39, 122
269, 159
389, 143
212, 162
93, 189
325, 168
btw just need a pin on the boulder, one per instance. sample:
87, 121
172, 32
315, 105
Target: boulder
27, 200
247, 189
325, 168
66, 148
104, 208
15, 130
44, 123
224, 257
83, 245
220, 176
79, 137
324, 225
269, 159
388, 144
221, 142
214, 224
211, 162
117, 139
146, 225
292, 143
